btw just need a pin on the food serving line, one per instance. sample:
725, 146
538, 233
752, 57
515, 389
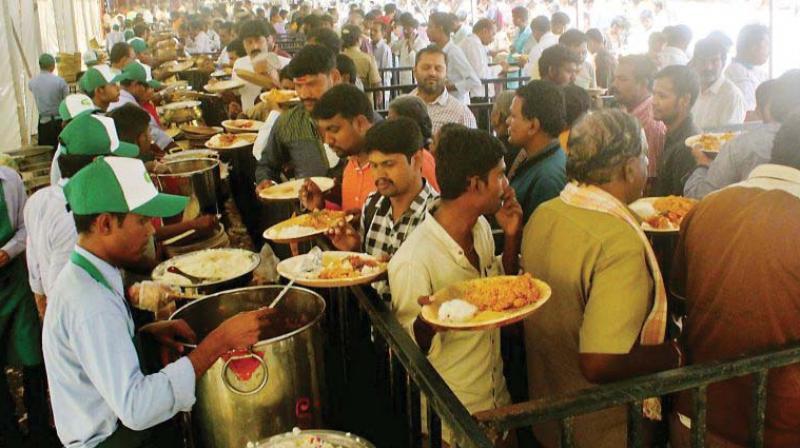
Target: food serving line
282, 382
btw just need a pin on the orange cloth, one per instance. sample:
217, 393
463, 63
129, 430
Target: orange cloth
563, 138
358, 183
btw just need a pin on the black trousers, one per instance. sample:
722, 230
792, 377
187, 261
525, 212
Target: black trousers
48, 132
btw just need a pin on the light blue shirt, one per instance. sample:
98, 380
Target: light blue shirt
735, 161
92, 366
48, 91
521, 41
161, 139
15, 197
460, 72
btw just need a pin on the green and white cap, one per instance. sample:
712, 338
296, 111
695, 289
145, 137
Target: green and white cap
96, 77
74, 106
94, 135
138, 44
136, 71
119, 185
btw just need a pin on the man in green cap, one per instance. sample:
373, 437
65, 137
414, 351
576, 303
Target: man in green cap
74, 106
100, 396
142, 51
137, 88
51, 231
99, 84
48, 91
20, 329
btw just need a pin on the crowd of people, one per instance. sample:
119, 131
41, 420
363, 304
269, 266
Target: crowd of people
554, 170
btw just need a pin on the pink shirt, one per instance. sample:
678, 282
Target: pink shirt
655, 132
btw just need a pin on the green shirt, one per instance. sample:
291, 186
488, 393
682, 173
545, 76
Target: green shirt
602, 293
540, 178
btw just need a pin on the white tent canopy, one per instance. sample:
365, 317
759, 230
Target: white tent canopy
27, 29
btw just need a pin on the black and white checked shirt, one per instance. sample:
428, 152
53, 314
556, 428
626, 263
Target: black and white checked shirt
382, 237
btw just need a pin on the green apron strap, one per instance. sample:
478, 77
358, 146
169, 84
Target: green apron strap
6, 228
90, 269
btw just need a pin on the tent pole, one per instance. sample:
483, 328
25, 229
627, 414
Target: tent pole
16, 72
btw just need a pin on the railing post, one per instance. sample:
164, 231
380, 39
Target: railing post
566, 427
635, 438
699, 417
413, 414
434, 428
759, 408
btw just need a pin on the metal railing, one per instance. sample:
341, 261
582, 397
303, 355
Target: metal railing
411, 374
632, 392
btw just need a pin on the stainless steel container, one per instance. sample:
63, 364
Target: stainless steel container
283, 388
198, 179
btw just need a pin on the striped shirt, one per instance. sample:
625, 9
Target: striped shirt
384, 236
447, 109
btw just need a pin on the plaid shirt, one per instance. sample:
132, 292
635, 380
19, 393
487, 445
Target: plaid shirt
384, 236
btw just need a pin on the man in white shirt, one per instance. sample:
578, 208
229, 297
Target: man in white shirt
114, 37
461, 77
477, 53
720, 102
540, 26
443, 108
461, 28
576, 41
678, 39
201, 42
258, 37
454, 243
381, 50
409, 45
752, 52
98, 391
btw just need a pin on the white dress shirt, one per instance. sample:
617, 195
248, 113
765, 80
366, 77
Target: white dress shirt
429, 260
407, 52
721, 104
747, 78
531, 68
461, 34
478, 56
251, 91
14, 195
161, 139
93, 370
51, 237
447, 109
200, 44
460, 72
672, 56
586, 77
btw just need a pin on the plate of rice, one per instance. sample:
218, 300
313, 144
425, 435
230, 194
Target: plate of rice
337, 269
313, 438
304, 227
486, 303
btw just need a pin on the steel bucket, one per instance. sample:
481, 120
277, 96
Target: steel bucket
197, 179
275, 386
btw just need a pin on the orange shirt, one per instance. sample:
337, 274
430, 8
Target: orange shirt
358, 183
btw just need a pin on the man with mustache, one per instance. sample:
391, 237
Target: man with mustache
294, 139
344, 116
258, 38
720, 102
430, 70
400, 203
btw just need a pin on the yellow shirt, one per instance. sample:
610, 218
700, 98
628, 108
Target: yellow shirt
602, 293
366, 66
468, 361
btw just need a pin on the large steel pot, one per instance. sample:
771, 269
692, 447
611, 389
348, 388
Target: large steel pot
198, 179
275, 386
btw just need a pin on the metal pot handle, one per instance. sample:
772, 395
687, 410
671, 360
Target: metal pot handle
233, 389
